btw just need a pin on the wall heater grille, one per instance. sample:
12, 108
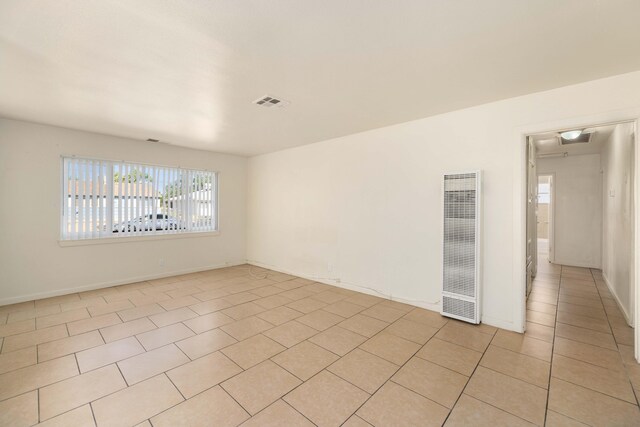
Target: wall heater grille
461, 247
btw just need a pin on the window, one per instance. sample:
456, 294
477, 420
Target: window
544, 195
103, 199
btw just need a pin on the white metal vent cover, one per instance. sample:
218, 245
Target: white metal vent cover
461, 246
268, 101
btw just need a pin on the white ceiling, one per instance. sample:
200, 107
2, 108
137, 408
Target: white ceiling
186, 72
549, 143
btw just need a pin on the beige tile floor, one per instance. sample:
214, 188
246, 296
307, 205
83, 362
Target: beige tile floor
236, 346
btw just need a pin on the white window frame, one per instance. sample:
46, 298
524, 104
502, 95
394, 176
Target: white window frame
545, 193
105, 201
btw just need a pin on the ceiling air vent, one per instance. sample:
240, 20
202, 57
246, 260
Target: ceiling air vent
576, 137
153, 140
270, 101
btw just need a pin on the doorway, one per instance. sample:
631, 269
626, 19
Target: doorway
581, 231
544, 217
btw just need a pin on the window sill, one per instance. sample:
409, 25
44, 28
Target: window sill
130, 239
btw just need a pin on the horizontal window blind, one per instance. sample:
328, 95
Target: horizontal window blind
103, 199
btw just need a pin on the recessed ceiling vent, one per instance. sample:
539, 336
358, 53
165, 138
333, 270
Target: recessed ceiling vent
271, 101
576, 136
153, 140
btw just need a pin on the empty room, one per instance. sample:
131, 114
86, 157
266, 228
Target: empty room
319, 213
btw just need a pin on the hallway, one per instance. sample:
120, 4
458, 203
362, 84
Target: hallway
594, 377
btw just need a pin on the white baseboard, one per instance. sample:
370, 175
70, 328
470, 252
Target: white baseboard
91, 287
571, 263
432, 306
626, 315
499, 323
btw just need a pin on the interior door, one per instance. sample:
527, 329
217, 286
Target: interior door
532, 195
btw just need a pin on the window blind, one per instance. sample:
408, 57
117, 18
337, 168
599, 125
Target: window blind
107, 199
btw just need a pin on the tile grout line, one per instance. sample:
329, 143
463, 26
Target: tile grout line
95, 422
242, 370
527, 382
585, 362
605, 312
617, 350
139, 341
67, 410
231, 396
399, 368
553, 345
100, 367
130, 357
291, 406
339, 357
469, 379
624, 366
75, 357
517, 353
583, 342
596, 391
174, 384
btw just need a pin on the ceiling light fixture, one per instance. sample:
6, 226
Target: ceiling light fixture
571, 134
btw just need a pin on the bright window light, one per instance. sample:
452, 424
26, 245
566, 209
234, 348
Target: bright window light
106, 199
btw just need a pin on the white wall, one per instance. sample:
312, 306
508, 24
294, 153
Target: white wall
32, 264
577, 213
617, 262
364, 209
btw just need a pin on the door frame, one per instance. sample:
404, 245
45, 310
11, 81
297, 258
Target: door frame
520, 205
